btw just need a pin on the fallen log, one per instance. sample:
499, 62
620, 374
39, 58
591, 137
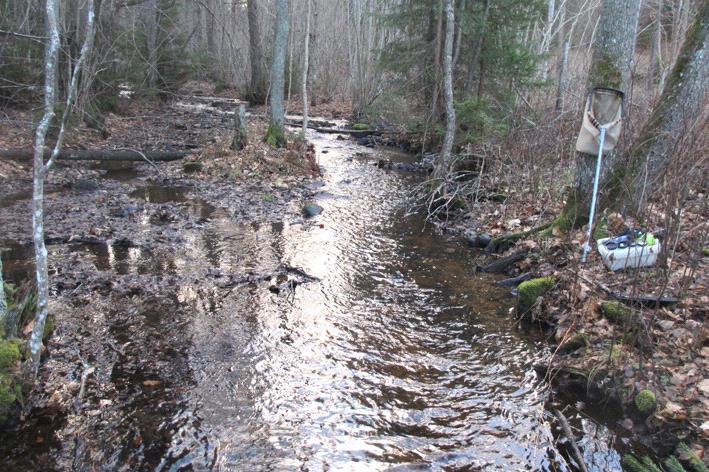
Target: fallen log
502, 264
96, 155
356, 132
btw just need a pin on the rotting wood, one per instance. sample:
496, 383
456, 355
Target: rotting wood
96, 155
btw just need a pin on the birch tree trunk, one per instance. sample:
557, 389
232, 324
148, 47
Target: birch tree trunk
3, 300
444, 164
257, 92
682, 109
611, 66
313, 60
306, 64
275, 135
41, 169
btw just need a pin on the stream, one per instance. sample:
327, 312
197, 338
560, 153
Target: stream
398, 358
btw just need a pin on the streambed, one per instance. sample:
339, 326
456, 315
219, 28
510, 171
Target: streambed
354, 340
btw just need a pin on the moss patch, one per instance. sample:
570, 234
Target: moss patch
9, 353
10, 394
360, 126
192, 166
645, 401
575, 342
528, 292
617, 312
49, 325
275, 136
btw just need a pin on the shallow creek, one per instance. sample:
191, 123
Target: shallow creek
397, 358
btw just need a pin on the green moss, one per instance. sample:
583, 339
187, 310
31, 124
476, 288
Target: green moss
192, 166
645, 401
529, 291
9, 353
360, 126
49, 325
10, 393
575, 342
275, 136
616, 312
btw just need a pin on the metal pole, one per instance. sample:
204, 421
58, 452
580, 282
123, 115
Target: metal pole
591, 216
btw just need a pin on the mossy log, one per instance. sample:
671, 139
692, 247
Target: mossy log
506, 241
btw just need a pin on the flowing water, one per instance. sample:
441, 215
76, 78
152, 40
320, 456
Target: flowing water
398, 358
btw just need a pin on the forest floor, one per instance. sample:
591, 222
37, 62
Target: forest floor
607, 350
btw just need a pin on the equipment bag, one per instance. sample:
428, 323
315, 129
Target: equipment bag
604, 108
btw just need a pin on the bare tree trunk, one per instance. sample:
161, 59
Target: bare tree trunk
3, 301
313, 61
478, 48
681, 110
257, 92
41, 169
444, 164
276, 133
152, 43
611, 66
306, 63
547, 38
655, 70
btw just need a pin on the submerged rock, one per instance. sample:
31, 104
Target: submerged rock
312, 209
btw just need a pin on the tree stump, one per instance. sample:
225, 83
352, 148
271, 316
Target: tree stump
239, 129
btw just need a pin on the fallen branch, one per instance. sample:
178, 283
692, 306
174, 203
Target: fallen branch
570, 436
97, 155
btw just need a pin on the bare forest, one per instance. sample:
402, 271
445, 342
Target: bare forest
343, 234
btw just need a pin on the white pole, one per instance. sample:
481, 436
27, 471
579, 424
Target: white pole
591, 216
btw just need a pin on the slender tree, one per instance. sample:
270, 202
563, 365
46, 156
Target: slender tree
41, 169
611, 66
444, 164
257, 91
306, 65
276, 135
